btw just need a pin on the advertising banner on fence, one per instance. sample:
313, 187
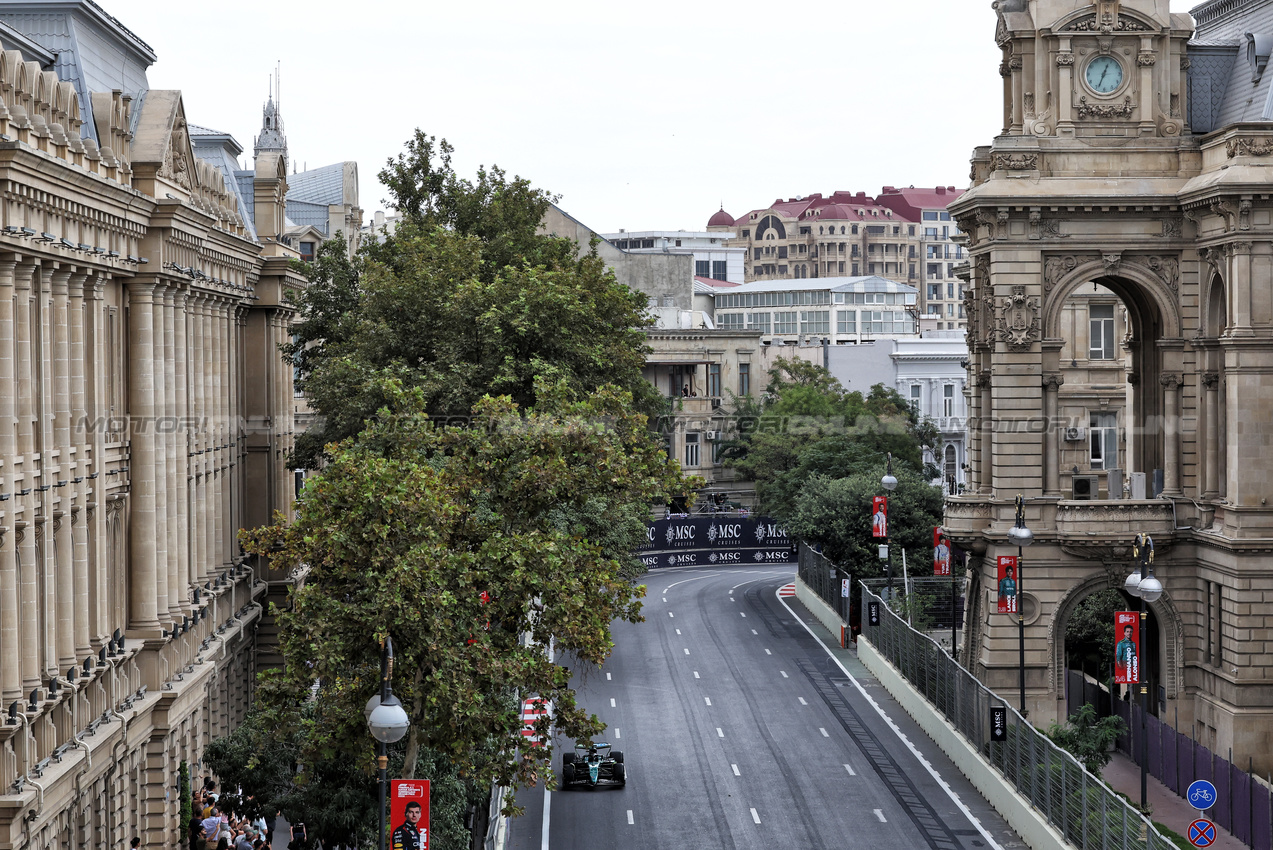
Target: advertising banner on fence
941, 552
879, 516
1007, 584
1127, 650
409, 814
715, 540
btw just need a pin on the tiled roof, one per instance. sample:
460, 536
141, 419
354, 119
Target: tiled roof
305, 213
318, 185
217, 149
858, 206
708, 286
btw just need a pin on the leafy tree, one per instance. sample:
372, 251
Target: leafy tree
1088, 737
456, 542
1089, 634
466, 298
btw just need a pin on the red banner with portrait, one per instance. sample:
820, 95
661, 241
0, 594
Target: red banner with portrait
941, 552
1127, 649
879, 516
409, 814
1007, 584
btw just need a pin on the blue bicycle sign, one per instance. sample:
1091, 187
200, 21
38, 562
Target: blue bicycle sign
1201, 795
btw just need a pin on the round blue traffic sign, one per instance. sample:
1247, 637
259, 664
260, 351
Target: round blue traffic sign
1201, 794
1202, 833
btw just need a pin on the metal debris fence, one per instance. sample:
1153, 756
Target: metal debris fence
1089, 814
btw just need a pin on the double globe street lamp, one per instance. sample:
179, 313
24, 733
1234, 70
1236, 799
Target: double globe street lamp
388, 722
1023, 537
889, 483
1143, 585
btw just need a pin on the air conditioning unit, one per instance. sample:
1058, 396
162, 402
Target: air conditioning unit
1086, 487
1075, 434
713, 435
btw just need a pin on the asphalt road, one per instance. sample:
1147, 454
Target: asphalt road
741, 730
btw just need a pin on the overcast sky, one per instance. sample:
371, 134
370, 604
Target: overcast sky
640, 116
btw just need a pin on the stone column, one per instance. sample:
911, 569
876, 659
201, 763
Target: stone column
64, 594
216, 519
1065, 70
28, 569
200, 410
143, 558
985, 435
10, 674
98, 404
181, 467
178, 593
1212, 434
1240, 288
163, 585
80, 437
1171, 434
1051, 450
209, 439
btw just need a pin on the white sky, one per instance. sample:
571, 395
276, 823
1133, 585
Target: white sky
641, 116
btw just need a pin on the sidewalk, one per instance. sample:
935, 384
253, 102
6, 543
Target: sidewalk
1123, 775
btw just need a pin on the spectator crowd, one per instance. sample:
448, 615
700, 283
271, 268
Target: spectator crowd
223, 821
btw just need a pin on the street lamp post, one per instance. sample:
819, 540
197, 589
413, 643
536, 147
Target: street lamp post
388, 722
1143, 585
1023, 537
889, 483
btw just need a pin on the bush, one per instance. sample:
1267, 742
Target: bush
1087, 737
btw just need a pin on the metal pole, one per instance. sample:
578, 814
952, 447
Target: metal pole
382, 749
952, 609
1021, 625
1144, 706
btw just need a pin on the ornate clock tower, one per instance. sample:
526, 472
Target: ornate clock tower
1120, 305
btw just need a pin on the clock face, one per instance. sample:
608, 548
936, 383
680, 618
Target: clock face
1104, 74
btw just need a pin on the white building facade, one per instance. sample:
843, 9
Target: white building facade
931, 374
712, 259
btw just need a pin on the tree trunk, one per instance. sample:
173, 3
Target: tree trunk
413, 736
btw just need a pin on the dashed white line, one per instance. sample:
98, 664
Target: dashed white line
607, 677
707, 700
631, 821
767, 652
735, 768
879, 813
720, 733
755, 816
687, 652
824, 732
753, 631
612, 702
670, 614
664, 598
802, 702
616, 732
696, 676
784, 674
850, 769
678, 631
742, 613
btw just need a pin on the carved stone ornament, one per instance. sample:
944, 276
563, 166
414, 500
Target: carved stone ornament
1106, 24
1171, 228
1005, 70
1170, 381
1248, 147
1111, 260
1028, 100
1145, 60
1050, 228
1016, 161
1185, 63
1053, 381
1211, 380
1019, 323
1055, 268
1105, 110
1167, 269
1015, 63
1064, 60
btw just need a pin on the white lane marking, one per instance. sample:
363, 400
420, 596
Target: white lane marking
742, 614
664, 598
767, 652
784, 674
670, 614
755, 816
802, 702
687, 652
824, 732
707, 700
719, 732
543, 841
696, 676
607, 677
994, 845
879, 813
735, 767
754, 632
616, 732
850, 769
612, 702
630, 817
678, 631
684, 580
763, 577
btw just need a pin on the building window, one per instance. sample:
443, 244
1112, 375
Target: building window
1103, 431
934, 292
784, 323
782, 270
713, 380
934, 270
703, 268
915, 398
887, 322
930, 216
755, 253
307, 252
846, 321
855, 269
948, 400
746, 234
758, 322
731, 321
815, 321
782, 252
910, 231
718, 270
1101, 342
744, 379
692, 448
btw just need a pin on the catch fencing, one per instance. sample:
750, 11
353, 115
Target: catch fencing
1077, 804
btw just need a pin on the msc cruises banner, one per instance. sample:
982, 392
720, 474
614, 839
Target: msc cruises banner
715, 539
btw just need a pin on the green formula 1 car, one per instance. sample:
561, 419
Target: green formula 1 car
590, 766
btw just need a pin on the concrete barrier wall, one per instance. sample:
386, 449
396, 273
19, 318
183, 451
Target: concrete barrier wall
1029, 823
826, 615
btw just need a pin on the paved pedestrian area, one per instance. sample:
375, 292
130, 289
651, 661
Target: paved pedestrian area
1123, 775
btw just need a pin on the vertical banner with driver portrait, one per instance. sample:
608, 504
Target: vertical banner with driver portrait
1127, 650
941, 552
879, 516
1007, 584
409, 814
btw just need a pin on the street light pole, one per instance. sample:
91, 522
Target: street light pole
388, 722
889, 482
1023, 537
1147, 588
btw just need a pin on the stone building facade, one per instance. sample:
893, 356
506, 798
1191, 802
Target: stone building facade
1106, 174
145, 416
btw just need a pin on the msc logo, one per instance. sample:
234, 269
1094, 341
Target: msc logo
650, 561
649, 534
724, 533
677, 560
726, 558
769, 531
680, 532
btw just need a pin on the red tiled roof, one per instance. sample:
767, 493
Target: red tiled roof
721, 219
907, 205
911, 201
707, 281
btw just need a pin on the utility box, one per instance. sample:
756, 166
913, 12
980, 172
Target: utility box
1136, 482
1115, 483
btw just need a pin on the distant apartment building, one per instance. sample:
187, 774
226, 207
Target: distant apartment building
839, 310
712, 258
904, 235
